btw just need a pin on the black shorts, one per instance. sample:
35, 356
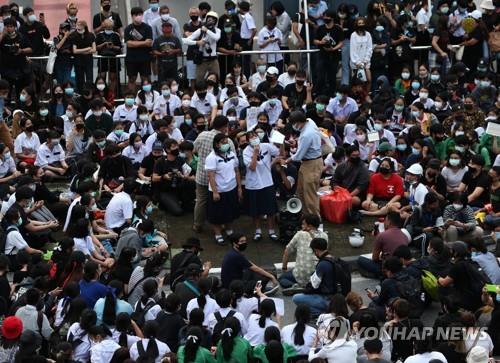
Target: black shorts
109, 65
144, 68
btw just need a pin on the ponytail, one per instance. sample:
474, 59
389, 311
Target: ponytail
266, 310
150, 332
202, 301
204, 285
109, 310
262, 321
302, 316
191, 348
123, 339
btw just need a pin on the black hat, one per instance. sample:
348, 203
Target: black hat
193, 269
192, 242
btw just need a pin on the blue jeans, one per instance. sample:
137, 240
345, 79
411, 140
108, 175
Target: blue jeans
317, 303
370, 266
62, 71
286, 279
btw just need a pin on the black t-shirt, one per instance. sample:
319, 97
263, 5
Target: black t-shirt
35, 33
113, 38
66, 49
299, 18
263, 87
164, 166
228, 42
464, 280
82, 41
164, 43
190, 27
233, 265
148, 164
295, 98
99, 18
9, 49
402, 51
180, 261
472, 183
333, 36
438, 182
138, 33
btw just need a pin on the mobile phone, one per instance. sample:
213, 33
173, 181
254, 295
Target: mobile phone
258, 285
42, 15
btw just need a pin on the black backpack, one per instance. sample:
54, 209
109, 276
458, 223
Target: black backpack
3, 238
342, 272
140, 313
219, 326
410, 288
143, 357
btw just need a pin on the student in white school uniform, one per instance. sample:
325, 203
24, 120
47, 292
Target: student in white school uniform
261, 196
142, 125
123, 325
224, 186
146, 96
127, 112
234, 101
149, 343
120, 209
84, 242
135, 151
247, 33
204, 301
257, 323
259, 76
118, 135
51, 157
69, 118
146, 304
103, 345
161, 127
269, 39
204, 102
300, 335
26, 143
172, 130
8, 171
166, 103
223, 300
79, 331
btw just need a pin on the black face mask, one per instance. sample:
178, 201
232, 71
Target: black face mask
468, 106
355, 160
269, 79
30, 128
243, 146
106, 8
438, 138
201, 95
174, 152
300, 82
292, 72
58, 95
242, 247
263, 126
384, 171
200, 128
194, 17
211, 83
254, 103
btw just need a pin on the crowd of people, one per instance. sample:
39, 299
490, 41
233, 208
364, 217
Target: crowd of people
400, 110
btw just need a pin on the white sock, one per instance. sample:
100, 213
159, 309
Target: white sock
271, 231
217, 236
229, 232
258, 230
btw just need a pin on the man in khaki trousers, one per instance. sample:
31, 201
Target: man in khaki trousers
309, 155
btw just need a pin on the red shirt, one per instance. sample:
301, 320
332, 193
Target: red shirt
385, 189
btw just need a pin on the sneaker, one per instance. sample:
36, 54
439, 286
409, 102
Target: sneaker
271, 291
294, 289
257, 236
220, 241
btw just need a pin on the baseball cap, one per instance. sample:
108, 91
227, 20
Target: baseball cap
157, 146
273, 70
415, 169
385, 146
193, 268
12, 328
476, 14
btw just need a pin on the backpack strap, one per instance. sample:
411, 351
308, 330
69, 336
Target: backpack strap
218, 316
135, 286
10, 229
191, 287
231, 313
39, 322
140, 349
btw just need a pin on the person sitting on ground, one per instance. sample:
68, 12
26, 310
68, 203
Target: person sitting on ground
459, 221
339, 347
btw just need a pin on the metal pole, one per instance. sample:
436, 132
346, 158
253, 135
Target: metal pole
308, 43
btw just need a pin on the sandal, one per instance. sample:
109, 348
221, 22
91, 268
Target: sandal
273, 236
220, 241
257, 237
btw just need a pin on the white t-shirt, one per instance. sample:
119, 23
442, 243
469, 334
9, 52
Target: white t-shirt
247, 305
225, 175
256, 79
162, 349
260, 178
103, 352
84, 245
284, 79
176, 135
426, 357
247, 25
288, 336
117, 139
453, 178
14, 242
149, 100
273, 108
417, 195
204, 106
26, 145
160, 106
135, 156
67, 126
123, 114
212, 320
120, 208
255, 334
46, 156
82, 352
209, 308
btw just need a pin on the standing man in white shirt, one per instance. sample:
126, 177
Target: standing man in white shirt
120, 209
165, 17
152, 14
206, 39
247, 33
269, 39
204, 102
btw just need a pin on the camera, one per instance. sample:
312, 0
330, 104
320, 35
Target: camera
173, 183
208, 49
330, 42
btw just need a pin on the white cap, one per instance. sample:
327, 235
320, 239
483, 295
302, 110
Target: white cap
213, 14
477, 355
415, 169
476, 14
487, 5
17, 111
273, 70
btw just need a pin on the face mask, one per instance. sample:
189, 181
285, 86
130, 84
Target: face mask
460, 149
341, 15
80, 31
119, 132
234, 101
261, 135
174, 152
72, 17
188, 121
254, 103
19, 222
361, 138
165, 17
146, 88
435, 77
69, 114
415, 114
444, 10
93, 208
401, 147
384, 171
457, 207
224, 148
186, 103
144, 117
378, 127
101, 86
194, 17
129, 101
165, 92
149, 209
438, 105
292, 72
269, 79
106, 8
138, 144
138, 19
484, 84
379, 28
468, 106
415, 151
459, 133
30, 128
58, 95
32, 18
255, 142
228, 29
22, 98
454, 162
405, 75
55, 142
97, 113
320, 107
69, 91
201, 95
355, 160
242, 246
338, 96
415, 85
101, 144
300, 82
200, 128
271, 103
399, 108
261, 69
423, 95
43, 112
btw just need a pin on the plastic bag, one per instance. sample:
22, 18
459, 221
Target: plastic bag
51, 60
335, 205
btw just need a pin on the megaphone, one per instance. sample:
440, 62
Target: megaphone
294, 205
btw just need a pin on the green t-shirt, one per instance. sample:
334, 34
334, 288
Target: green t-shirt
240, 354
259, 352
203, 355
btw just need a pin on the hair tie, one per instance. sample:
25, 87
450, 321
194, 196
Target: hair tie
228, 330
194, 338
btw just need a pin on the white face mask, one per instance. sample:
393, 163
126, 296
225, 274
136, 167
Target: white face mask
101, 86
457, 207
186, 103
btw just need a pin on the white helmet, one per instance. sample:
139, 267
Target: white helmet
356, 239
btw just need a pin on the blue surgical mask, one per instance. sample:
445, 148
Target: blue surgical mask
401, 147
147, 88
149, 209
154, 7
43, 112
379, 28
129, 101
19, 222
415, 85
22, 98
108, 31
415, 151
119, 132
69, 91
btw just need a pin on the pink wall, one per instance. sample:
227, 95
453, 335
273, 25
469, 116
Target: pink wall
55, 12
